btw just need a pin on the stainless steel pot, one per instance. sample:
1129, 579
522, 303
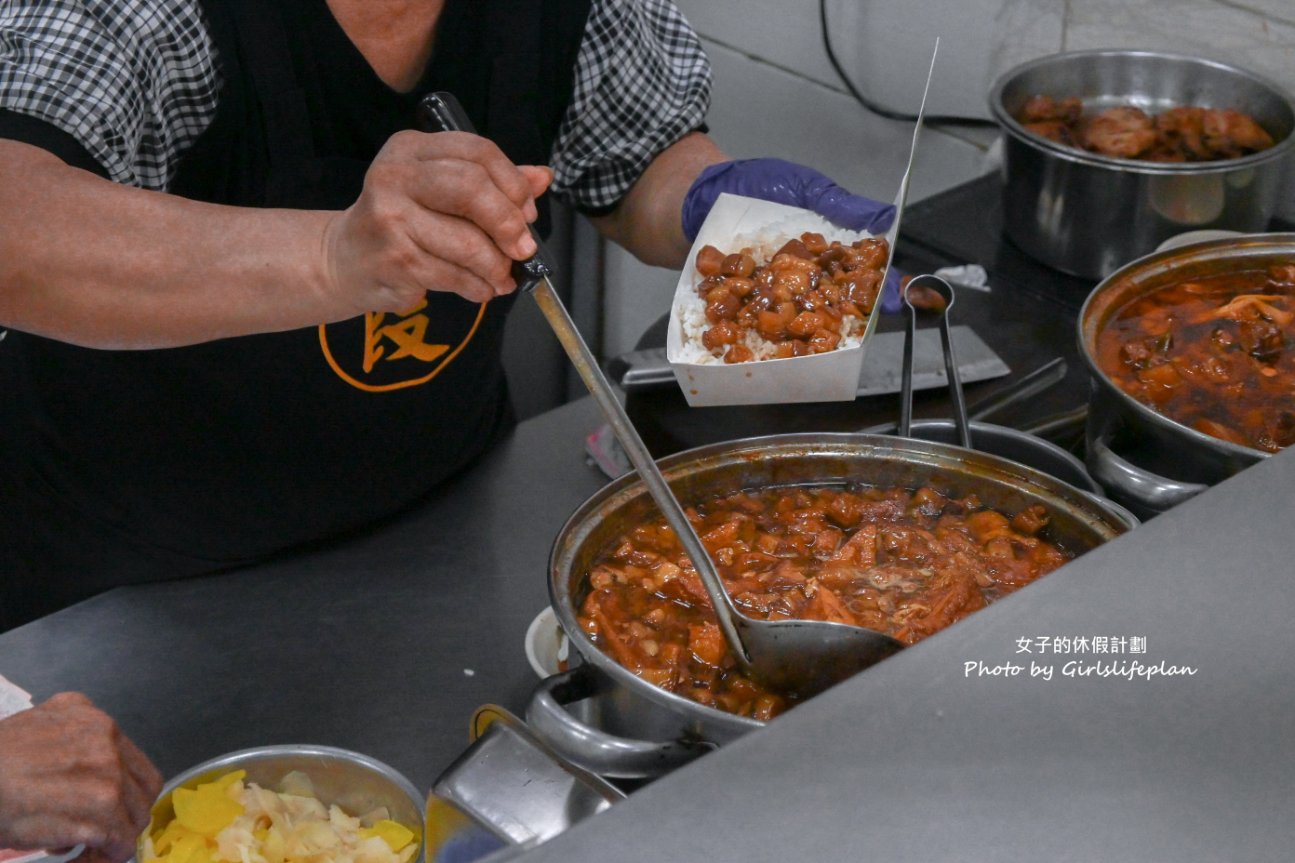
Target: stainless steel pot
611, 722
1142, 458
1088, 214
1009, 443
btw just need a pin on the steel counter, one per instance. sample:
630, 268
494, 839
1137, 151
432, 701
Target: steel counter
387, 642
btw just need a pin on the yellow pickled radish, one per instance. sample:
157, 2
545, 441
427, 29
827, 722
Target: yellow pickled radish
395, 834
206, 810
190, 848
165, 838
225, 782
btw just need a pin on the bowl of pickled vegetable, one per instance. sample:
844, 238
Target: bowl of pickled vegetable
286, 804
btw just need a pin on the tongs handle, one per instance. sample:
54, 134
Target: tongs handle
945, 290
906, 378
441, 112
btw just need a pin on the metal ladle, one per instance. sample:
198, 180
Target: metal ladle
795, 657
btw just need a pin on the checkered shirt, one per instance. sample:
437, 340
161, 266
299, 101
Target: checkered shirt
136, 82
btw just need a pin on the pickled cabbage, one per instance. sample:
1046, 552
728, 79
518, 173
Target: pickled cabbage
234, 821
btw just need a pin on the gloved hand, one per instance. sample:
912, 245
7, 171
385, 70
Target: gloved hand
890, 300
783, 183
796, 186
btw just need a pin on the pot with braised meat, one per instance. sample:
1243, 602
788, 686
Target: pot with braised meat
1192, 356
1106, 154
906, 563
1183, 133
903, 535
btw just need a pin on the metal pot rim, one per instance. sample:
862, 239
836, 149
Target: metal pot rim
1166, 262
1013, 127
1104, 516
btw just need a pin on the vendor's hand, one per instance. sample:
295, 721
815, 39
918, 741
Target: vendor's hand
439, 212
783, 183
69, 776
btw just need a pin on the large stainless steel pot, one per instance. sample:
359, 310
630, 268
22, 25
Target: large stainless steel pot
1142, 458
1088, 214
1009, 443
607, 720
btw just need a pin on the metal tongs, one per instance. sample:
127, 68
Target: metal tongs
945, 291
799, 657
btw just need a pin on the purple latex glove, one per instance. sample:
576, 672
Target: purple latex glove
891, 302
783, 183
796, 186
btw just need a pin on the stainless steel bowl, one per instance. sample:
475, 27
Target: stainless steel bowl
355, 782
1088, 214
1142, 458
622, 725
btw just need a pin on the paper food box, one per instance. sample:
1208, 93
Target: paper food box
736, 223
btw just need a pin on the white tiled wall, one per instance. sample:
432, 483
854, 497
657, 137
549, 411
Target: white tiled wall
776, 94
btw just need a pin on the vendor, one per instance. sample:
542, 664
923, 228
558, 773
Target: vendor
248, 308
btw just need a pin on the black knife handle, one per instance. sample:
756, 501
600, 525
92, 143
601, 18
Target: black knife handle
441, 112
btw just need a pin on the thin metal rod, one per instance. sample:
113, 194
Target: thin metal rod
442, 112
581, 357
906, 380
955, 381
1044, 377
1071, 421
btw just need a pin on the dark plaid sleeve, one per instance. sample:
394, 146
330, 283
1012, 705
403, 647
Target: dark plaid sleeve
642, 83
131, 82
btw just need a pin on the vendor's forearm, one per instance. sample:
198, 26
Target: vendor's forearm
87, 261
648, 221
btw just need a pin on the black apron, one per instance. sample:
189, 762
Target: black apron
128, 466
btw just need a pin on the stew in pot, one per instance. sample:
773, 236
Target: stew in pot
908, 563
1216, 354
1186, 133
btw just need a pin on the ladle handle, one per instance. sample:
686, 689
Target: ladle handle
583, 360
1045, 376
442, 112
